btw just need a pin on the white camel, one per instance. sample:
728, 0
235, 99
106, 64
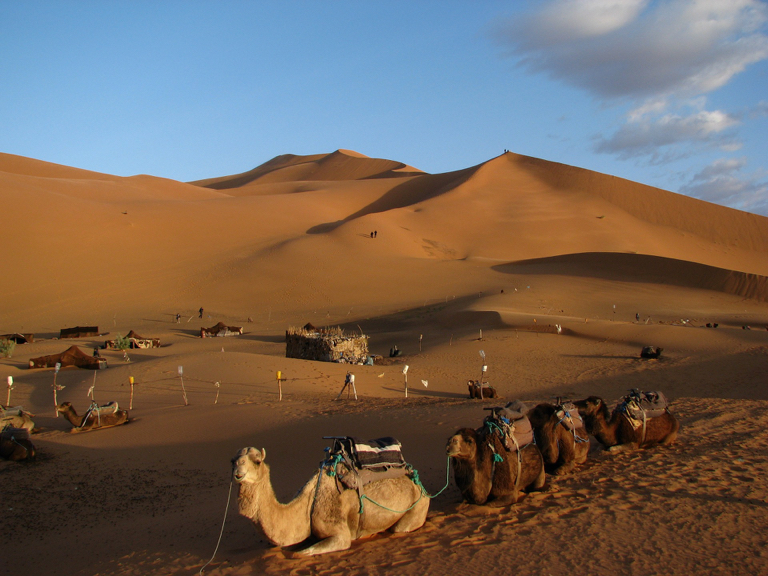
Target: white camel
334, 515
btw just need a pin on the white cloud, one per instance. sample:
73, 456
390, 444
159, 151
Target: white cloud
646, 135
722, 183
637, 49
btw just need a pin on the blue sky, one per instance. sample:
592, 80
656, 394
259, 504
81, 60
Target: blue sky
670, 93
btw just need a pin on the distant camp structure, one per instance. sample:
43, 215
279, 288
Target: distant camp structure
72, 356
135, 341
18, 338
220, 330
79, 332
326, 345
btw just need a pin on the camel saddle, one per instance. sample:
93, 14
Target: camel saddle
512, 425
13, 434
365, 461
569, 416
640, 406
99, 411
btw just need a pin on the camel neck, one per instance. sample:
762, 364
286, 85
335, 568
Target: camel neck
282, 524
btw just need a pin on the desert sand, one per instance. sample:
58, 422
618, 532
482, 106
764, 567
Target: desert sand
490, 258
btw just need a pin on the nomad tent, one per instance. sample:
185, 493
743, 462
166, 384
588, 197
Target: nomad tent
135, 341
220, 329
18, 338
72, 356
79, 332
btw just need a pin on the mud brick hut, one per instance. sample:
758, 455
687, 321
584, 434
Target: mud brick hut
325, 345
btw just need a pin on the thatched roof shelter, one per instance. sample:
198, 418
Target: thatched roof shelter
326, 345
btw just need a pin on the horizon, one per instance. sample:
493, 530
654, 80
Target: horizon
669, 94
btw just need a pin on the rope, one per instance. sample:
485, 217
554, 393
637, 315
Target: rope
229, 497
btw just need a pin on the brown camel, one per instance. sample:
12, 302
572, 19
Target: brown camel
16, 417
560, 435
487, 391
94, 419
15, 444
486, 472
616, 431
324, 508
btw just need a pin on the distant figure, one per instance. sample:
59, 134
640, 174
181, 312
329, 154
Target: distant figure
371, 234
178, 318
394, 352
201, 311
637, 317
95, 352
375, 233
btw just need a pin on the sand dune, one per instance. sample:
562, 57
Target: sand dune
490, 257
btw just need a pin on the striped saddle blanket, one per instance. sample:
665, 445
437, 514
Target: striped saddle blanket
365, 461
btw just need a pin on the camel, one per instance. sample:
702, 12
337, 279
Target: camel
105, 417
325, 509
16, 417
562, 438
482, 478
487, 390
651, 352
617, 432
15, 444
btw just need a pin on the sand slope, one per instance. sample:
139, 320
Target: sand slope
504, 251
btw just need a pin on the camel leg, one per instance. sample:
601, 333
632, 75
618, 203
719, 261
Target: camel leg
340, 541
414, 518
622, 447
502, 501
541, 479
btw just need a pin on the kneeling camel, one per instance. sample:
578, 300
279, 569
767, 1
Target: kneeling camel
334, 515
485, 471
617, 432
93, 419
560, 435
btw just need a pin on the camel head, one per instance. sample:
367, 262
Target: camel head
64, 407
247, 465
463, 444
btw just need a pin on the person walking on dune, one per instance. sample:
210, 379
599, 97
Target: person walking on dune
201, 311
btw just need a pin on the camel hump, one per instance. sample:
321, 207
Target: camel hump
569, 416
512, 424
639, 405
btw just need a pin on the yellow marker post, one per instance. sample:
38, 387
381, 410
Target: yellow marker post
279, 385
130, 379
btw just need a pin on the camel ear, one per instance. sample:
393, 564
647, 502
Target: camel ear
598, 402
263, 454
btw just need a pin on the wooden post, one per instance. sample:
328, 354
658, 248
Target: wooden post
183, 390
92, 390
56, 388
218, 387
482, 369
279, 385
405, 374
421, 337
130, 380
10, 387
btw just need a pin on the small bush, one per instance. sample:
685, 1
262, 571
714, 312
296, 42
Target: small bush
122, 343
7, 347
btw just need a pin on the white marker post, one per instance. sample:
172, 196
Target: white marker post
10, 387
56, 388
405, 374
482, 372
183, 390
218, 387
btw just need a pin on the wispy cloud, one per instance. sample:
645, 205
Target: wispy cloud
659, 57
723, 183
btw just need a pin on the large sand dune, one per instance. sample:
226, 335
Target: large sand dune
505, 250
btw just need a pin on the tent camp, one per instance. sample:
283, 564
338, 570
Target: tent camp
79, 332
72, 356
220, 329
18, 338
135, 341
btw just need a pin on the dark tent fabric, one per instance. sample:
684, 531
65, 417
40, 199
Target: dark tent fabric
220, 329
18, 338
72, 356
79, 332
